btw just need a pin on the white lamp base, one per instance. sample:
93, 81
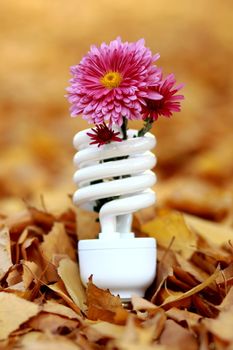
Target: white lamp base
125, 266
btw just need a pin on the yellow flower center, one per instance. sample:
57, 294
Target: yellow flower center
111, 80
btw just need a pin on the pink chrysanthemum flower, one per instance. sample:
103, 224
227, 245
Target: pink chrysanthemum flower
102, 135
112, 81
169, 103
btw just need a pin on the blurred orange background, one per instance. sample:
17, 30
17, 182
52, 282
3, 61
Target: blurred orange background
41, 39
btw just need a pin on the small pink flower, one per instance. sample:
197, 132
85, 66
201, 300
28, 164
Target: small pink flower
102, 135
112, 82
169, 103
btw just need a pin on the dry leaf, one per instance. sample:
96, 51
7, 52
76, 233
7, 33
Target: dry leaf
180, 296
135, 337
172, 226
227, 301
30, 271
178, 315
199, 198
60, 290
55, 324
101, 329
222, 325
141, 304
69, 272
57, 242
14, 311
38, 341
59, 309
215, 233
5, 251
87, 226
175, 335
102, 305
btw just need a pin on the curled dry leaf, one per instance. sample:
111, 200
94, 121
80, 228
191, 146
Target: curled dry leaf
181, 296
69, 272
30, 271
102, 305
14, 311
60, 290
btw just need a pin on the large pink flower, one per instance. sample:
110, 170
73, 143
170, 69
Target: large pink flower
169, 103
112, 82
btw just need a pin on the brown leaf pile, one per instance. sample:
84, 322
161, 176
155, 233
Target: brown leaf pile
43, 304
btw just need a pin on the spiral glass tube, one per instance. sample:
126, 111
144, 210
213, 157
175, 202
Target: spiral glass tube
118, 170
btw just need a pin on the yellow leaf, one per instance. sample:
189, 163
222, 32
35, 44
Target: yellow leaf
171, 226
213, 232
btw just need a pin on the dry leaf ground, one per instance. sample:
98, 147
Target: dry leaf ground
42, 302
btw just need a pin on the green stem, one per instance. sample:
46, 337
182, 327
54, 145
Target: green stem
147, 126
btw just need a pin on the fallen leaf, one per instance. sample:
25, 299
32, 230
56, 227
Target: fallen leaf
5, 251
42, 218
199, 198
52, 323
14, 277
222, 325
57, 242
141, 304
213, 232
102, 305
104, 329
172, 226
178, 315
175, 335
87, 226
227, 301
135, 337
69, 272
60, 290
14, 311
30, 271
174, 298
165, 264
38, 341
59, 309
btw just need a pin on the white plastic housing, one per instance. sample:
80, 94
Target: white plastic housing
125, 266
